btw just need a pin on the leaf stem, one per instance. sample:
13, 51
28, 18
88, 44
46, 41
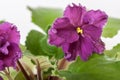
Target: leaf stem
39, 77
23, 70
62, 64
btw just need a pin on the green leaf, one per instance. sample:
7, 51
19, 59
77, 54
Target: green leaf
2, 21
48, 49
51, 50
114, 53
37, 44
97, 68
59, 54
33, 42
112, 27
19, 76
44, 16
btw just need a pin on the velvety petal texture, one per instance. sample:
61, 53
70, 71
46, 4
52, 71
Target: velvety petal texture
95, 17
75, 14
62, 31
9, 45
78, 32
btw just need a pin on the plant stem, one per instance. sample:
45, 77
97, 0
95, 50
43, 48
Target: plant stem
23, 70
28, 70
62, 64
39, 77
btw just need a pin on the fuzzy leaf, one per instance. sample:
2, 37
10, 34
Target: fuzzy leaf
37, 44
51, 50
44, 16
97, 68
114, 53
19, 76
33, 42
112, 27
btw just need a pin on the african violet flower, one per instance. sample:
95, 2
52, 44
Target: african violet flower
78, 32
9, 45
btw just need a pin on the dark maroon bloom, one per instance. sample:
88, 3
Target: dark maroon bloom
78, 32
9, 45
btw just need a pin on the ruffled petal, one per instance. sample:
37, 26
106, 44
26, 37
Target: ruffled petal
14, 35
14, 54
53, 39
4, 49
75, 14
99, 46
62, 32
71, 50
5, 26
11, 30
96, 18
92, 32
83, 47
86, 48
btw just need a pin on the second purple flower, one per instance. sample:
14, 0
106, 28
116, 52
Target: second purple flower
9, 45
78, 32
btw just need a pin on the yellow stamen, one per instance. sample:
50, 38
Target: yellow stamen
79, 30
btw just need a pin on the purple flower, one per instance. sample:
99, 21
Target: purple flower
78, 32
9, 45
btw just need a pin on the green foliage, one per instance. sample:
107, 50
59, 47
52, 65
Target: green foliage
33, 42
51, 50
37, 44
19, 76
59, 54
97, 68
114, 53
44, 16
1, 21
112, 27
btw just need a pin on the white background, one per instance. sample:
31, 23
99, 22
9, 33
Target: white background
15, 11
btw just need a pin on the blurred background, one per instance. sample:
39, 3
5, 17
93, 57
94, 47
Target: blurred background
16, 11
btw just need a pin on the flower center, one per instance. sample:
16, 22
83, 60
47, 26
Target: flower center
79, 30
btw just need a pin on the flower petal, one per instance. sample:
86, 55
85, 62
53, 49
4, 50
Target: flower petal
86, 48
83, 47
4, 49
62, 32
14, 35
53, 39
92, 32
70, 50
75, 14
99, 46
94, 35
11, 30
95, 17
13, 56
